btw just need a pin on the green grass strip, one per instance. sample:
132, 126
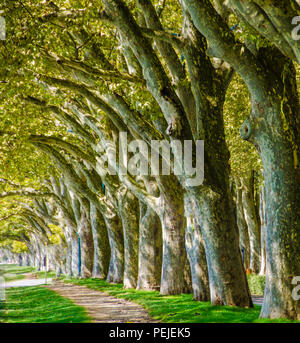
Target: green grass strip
40, 305
178, 308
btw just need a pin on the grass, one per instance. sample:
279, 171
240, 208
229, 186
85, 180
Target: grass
180, 308
12, 272
41, 274
40, 305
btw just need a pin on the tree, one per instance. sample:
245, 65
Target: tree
272, 127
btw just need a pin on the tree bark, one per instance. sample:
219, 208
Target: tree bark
101, 244
252, 222
273, 128
150, 249
75, 256
263, 221
129, 213
69, 260
242, 225
116, 242
174, 253
86, 246
196, 254
227, 277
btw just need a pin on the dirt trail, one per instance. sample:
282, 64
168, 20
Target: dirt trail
102, 308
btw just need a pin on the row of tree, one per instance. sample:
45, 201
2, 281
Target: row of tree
159, 71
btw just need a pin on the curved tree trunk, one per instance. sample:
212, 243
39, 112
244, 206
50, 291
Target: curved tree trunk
196, 254
252, 222
101, 244
150, 249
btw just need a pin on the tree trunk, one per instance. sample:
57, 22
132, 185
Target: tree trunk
196, 254
243, 227
263, 221
101, 244
174, 253
86, 246
227, 277
76, 263
283, 233
69, 260
116, 242
274, 129
38, 256
129, 213
150, 249
252, 222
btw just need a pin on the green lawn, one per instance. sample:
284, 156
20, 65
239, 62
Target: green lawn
40, 305
178, 309
13, 272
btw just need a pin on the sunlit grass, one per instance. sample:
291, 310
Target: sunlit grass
13, 272
40, 305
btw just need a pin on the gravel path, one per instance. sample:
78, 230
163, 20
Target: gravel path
101, 307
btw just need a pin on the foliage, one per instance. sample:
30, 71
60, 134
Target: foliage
256, 284
243, 155
18, 247
55, 237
